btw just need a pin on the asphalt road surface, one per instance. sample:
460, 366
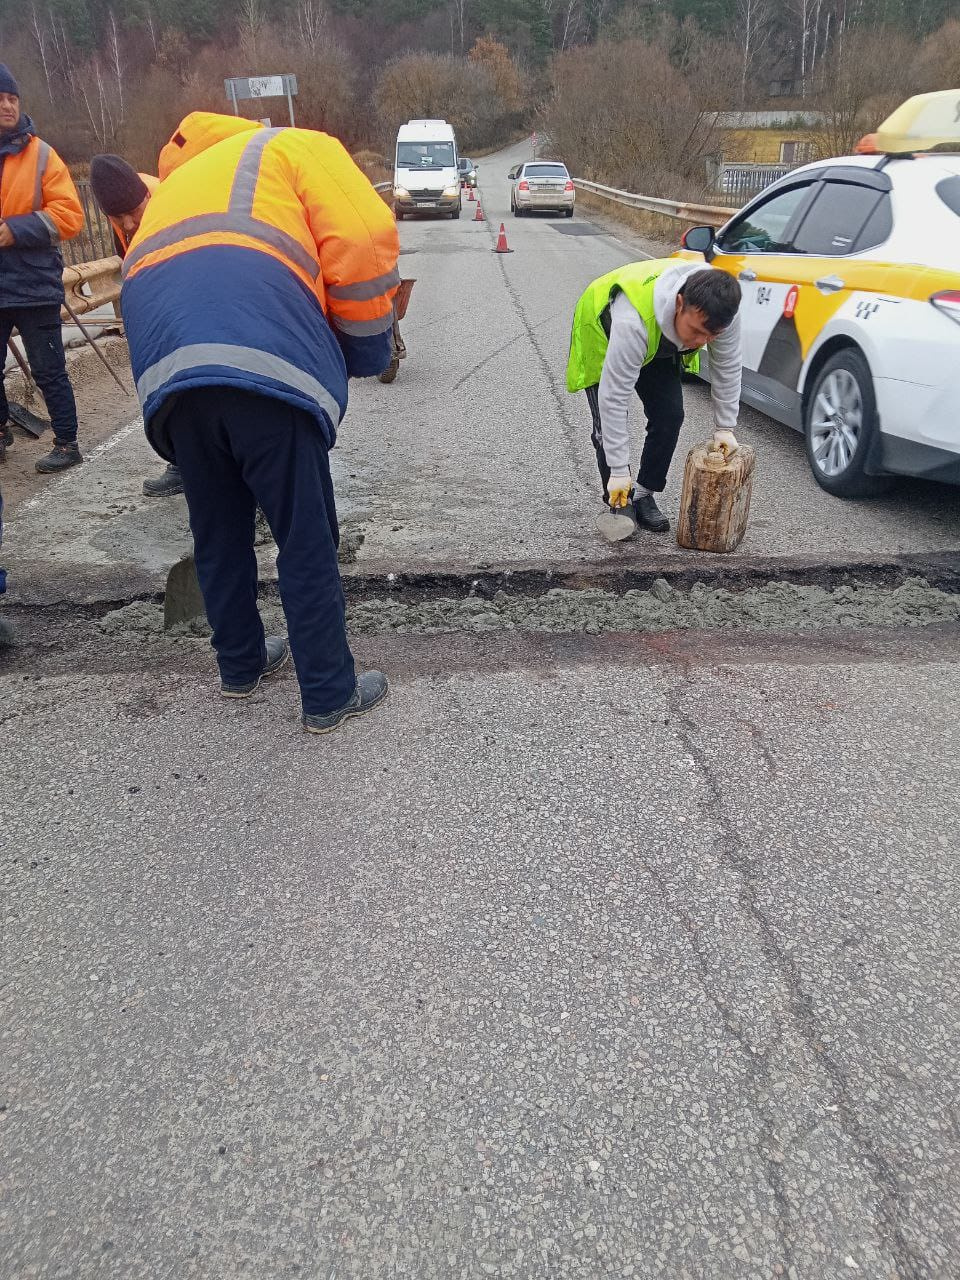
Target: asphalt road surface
477, 453
586, 955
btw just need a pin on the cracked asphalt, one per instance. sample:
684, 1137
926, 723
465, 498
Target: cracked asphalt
584, 956
621, 941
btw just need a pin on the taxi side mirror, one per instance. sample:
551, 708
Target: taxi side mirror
699, 240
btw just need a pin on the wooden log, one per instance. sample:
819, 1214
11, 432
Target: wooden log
715, 503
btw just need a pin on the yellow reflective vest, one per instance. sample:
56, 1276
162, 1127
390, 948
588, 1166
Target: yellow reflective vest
265, 260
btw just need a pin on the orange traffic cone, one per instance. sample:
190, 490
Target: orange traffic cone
472, 196
502, 246
478, 216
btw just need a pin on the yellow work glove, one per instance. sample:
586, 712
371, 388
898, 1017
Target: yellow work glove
618, 491
725, 442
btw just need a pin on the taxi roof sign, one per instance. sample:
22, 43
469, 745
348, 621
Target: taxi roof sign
922, 123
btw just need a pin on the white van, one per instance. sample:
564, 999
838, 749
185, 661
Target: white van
425, 175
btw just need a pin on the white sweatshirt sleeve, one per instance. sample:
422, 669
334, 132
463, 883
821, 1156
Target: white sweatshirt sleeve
726, 368
626, 353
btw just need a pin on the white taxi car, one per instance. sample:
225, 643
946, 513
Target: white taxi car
850, 271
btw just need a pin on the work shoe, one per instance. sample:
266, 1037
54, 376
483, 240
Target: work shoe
649, 514
278, 651
371, 688
61, 456
6, 435
164, 485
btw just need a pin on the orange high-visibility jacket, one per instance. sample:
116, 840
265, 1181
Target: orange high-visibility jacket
119, 235
40, 205
266, 261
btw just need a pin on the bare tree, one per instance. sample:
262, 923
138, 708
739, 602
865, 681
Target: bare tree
572, 16
755, 23
458, 23
153, 33
864, 79
251, 21
806, 15
102, 113
597, 15
113, 53
311, 23
39, 32
63, 49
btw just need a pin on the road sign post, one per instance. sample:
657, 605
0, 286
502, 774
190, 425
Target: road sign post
284, 86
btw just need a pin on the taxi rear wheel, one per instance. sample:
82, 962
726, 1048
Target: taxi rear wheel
839, 424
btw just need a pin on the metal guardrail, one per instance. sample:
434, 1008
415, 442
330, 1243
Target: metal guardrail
744, 181
679, 209
95, 240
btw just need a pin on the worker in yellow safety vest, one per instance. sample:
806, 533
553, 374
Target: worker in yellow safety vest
635, 331
261, 277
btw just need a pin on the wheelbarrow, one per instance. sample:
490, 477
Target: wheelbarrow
400, 301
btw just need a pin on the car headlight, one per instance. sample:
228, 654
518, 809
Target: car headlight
401, 193
452, 191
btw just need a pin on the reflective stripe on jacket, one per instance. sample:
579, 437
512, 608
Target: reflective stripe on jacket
40, 205
265, 261
119, 236
588, 338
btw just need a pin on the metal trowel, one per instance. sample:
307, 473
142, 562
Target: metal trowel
617, 523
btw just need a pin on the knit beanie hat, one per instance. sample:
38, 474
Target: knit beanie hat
117, 186
7, 82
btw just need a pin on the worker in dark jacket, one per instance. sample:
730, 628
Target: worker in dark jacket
39, 207
262, 277
123, 195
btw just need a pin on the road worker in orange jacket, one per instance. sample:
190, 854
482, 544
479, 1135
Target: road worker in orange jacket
123, 195
39, 207
262, 277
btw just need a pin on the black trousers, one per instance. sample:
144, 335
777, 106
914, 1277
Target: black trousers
43, 341
660, 389
236, 449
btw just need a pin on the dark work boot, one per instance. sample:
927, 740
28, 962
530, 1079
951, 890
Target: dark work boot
6, 440
63, 454
165, 484
371, 689
649, 515
278, 651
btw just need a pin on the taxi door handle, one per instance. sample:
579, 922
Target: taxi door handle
830, 284
748, 274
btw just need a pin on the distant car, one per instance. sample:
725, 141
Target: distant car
468, 172
850, 275
541, 184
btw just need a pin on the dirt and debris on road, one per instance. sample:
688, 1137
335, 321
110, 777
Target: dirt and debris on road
776, 606
102, 409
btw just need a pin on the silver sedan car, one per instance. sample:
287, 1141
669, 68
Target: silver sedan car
541, 184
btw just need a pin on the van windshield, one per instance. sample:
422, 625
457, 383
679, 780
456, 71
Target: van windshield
425, 155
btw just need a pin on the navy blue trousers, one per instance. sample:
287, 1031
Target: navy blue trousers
43, 341
236, 449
